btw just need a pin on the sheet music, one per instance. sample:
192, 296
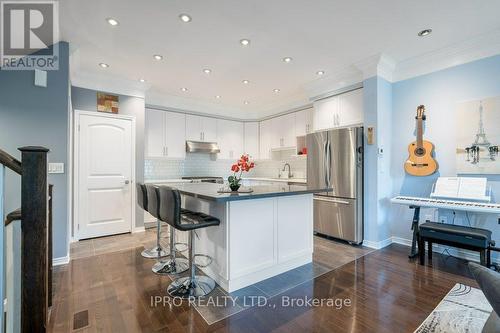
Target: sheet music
447, 187
472, 188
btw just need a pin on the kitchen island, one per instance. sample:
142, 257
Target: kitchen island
261, 234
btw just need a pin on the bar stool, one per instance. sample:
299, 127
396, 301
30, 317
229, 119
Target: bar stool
150, 203
169, 207
192, 285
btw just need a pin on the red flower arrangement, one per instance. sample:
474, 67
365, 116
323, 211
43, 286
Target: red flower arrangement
242, 165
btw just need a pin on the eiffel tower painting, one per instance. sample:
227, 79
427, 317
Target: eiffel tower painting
478, 123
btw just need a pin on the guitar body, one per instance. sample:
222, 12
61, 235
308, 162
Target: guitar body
420, 161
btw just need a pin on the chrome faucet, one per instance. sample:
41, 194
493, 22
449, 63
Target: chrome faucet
289, 170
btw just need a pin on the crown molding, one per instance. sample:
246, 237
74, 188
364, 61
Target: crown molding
482, 46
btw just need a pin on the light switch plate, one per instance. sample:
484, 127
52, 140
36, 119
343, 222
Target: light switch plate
56, 167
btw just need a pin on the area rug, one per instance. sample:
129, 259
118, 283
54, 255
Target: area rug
463, 309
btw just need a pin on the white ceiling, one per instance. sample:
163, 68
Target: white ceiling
324, 35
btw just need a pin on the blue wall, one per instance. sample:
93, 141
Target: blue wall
440, 92
31, 115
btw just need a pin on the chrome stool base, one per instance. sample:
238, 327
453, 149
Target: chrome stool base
176, 266
154, 253
185, 288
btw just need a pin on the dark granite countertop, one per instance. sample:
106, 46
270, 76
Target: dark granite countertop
208, 191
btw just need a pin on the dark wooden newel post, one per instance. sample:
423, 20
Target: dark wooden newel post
34, 225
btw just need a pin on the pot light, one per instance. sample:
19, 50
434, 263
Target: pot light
246, 102
245, 82
425, 32
287, 59
276, 90
245, 42
158, 57
207, 71
184, 89
320, 72
112, 21
103, 65
185, 18
218, 96
142, 80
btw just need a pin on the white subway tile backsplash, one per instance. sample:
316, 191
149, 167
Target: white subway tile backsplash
205, 165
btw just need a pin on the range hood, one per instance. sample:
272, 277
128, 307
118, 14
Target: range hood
202, 147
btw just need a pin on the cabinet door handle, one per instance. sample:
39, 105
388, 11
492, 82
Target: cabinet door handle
166, 151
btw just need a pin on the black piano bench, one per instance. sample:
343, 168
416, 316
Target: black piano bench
463, 237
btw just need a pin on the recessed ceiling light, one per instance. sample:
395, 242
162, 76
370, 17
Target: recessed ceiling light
184, 89
218, 96
246, 102
207, 71
158, 57
245, 82
185, 18
112, 21
320, 72
103, 65
287, 59
245, 42
142, 80
425, 32
276, 90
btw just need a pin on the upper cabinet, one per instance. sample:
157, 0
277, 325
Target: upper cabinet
251, 139
200, 128
230, 139
266, 134
351, 108
339, 111
165, 134
285, 129
304, 122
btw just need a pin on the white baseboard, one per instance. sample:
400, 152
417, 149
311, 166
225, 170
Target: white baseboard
60, 261
377, 245
138, 229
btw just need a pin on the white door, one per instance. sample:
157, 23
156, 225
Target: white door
266, 130
175, 136
288, 130
105, 174
303, 122
155, 133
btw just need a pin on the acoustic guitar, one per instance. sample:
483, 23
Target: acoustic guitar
420, 162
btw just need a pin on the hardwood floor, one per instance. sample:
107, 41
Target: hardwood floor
388, 293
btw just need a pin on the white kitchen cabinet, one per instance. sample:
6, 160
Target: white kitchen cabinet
351, 108
265, 144
326, 113
304, 122
165, 134
155, 133
339, 111
251, 139
175, 135
286, 129
200, 128
230, 139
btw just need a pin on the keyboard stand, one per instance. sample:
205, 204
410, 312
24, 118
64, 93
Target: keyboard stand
414, 227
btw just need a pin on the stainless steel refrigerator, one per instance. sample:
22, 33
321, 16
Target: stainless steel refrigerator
335, 160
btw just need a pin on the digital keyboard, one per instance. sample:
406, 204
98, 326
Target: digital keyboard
471, 206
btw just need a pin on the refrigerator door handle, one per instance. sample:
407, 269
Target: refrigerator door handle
332, 200
329, 161
326, 166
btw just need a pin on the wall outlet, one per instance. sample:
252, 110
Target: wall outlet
56, 168
443, 219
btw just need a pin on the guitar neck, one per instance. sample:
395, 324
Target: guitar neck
420, 133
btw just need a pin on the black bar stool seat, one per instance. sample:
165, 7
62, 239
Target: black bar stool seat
185, 220
147, 198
